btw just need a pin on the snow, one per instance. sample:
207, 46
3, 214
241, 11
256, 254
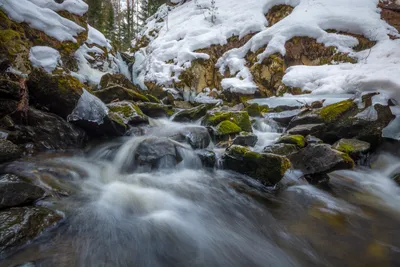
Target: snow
44, 57
77, 7
188, 29
89, 108
96, 37
42, 18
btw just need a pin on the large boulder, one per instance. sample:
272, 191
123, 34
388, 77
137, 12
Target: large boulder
240, 118
268, 168
15, 192
58, 94
8, 151
316, 159
39, 130
21, 225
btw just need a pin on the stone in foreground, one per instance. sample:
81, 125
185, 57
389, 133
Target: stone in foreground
268, 168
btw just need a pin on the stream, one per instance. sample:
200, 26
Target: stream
182, 214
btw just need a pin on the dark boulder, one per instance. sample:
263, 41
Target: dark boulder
119, 93
191, 115
281, 149
245, 139
196, 136
207, 157
355, 148
155, 110
109, 80
8, 151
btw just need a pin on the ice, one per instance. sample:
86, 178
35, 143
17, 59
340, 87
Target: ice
89, 108
44, 57
43, 19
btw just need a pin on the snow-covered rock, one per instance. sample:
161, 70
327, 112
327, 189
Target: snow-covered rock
44, 57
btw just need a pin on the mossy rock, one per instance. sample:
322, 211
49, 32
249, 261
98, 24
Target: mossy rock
267, 168
8, 151
191, 115
119, 93
353, 147
109, 80
127, 112
240, 118
245, 139
58, 94
254, 110
153, 98
335, 111
281, 149
155, 110
297, 140
227, 128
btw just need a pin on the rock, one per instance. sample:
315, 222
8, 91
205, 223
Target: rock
9, 89
156, 153
128, 112
240, 118
281, 149
58, 94
182, 104
21, 225
154, 110
196, 136
310, 139
254, 110
396, 178
207, 157
112, 126
15, 192
268, 168
119, 93
245, 139
227, 128
41, 130
110, 80
306, 129
319, 159
297, 140
153, 99
284, 117
190, 115
353, 147
8, 151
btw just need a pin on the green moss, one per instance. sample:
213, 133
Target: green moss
227, 128
348, 159
254, 110
297, 140
66, 83
153, 98
244, 152
335, 111
240, 118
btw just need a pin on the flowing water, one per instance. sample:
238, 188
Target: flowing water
120, 214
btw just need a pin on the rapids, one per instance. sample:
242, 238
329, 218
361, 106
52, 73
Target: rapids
119, 214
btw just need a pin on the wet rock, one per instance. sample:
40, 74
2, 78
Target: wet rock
8, 151
281, 149
268, 168
297, 140
9, 89
240, 118
111, 126
156, 153
190, 115
128, 112
15, 192
284, 117
119, 93
21, 225
196, 136
355, 148
227, 128
245, 139
58, 94
154, 110
310, 139
306, 129
320, 158
109, 80
254, 110
40, 130
207, 157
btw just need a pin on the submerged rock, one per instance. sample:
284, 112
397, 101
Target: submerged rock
8, 151
15, 192
22, 224
268, 168
320, 159
245, 139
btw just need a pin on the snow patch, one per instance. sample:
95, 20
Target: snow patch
44, 57
77, 7
96, 37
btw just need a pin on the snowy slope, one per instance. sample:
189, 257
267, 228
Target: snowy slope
188, 28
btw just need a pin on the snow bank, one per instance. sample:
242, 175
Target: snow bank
174, 40
44, 57
96, 37
42, 18
77, 7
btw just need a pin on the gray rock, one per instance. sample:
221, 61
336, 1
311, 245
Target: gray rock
245, 139
320, 158
8, 151
190, 115
22, 224
196, 136
310, 139
16, 192
353, 147
281, 149
306, 129
207, 157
